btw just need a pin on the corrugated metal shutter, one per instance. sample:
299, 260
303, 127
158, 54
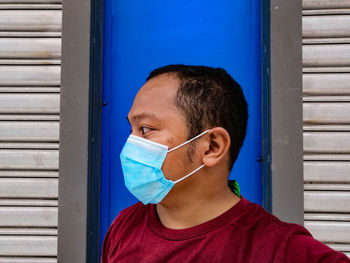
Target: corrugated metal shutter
30, 50
326, 86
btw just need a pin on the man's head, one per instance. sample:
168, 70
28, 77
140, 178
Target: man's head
179, 102
209, 97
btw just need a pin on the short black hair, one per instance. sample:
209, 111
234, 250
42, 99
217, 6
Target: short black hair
209, 97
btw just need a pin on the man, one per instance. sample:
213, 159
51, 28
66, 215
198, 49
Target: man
188, 125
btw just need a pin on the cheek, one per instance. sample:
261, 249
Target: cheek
170, 141
173, 166
176, 165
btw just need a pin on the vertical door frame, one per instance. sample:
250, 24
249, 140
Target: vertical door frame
80, 123
285, 120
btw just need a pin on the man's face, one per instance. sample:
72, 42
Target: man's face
155, 117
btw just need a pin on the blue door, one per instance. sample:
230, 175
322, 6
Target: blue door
141, 35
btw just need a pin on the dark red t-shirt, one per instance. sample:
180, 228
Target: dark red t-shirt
245, 233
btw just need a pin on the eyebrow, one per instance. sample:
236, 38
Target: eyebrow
139, 117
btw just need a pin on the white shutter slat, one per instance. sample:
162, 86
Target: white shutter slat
29, 75
29, 117
27, 260
15, 231
29, 34
32, 1
319, 98
28, 188
29, 131
28, 246
327, 142
326, 55
30, 20
30, 48
326, 69
28, 202
327, 201
29, 145
326, 26
320, 4
29, 159
306, 12
326, 84
334, 172
29, 103
42, 174
328, 127
21, 59
29, 89
329, 231
327, 187
28, 216
29, 6
340, 247
326, 157
338, 40
332, 113
326, 217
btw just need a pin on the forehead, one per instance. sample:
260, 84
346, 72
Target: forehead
157, 96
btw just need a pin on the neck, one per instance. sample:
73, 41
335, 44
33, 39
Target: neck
195, 203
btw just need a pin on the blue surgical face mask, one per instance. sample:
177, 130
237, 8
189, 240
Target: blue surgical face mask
142, 161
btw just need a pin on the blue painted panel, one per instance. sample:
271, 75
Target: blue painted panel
142, 35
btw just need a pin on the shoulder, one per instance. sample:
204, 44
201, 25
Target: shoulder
125, 220
304, 248
292, 242
133, 209
267, 230
267, 224
289, 242
128, 215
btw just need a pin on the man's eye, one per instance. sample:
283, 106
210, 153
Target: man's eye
144, 130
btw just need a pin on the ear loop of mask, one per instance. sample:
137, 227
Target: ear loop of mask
200, 167
182, 144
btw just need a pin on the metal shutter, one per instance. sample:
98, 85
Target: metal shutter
30, 50
326, 113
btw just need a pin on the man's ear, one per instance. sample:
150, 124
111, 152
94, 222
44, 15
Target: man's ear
218, 145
